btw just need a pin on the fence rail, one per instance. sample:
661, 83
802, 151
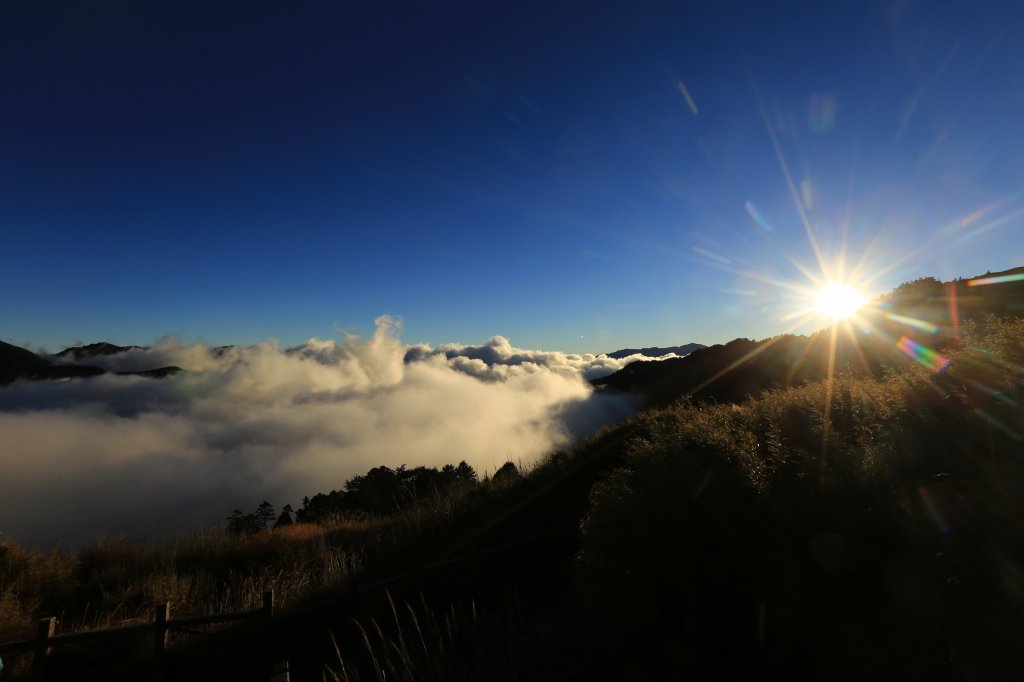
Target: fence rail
46, 639
162, 625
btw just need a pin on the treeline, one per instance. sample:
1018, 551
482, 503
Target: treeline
260, 518
380, 491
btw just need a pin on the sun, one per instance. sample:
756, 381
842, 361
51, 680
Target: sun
838, 301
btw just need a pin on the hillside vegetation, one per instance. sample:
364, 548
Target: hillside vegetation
857, 528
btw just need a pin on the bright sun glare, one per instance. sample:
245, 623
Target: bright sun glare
838, 301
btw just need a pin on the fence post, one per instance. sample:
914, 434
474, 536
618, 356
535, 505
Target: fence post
44, 631
268, 604
162, 615
280, 672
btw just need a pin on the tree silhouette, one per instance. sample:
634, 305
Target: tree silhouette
285, 519
264, 513
506, 473
240, 523
383, 490
465, 474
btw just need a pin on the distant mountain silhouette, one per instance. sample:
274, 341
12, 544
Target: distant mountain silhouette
656, 352
925, 314
20, 363
92, 350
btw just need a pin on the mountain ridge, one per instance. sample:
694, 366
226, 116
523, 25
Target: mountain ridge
20, 363
655, 351
912, 323
92, 350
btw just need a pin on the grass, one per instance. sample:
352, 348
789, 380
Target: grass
114, 580
416, 645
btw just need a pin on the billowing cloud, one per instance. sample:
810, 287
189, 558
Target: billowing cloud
132, 454
494, 360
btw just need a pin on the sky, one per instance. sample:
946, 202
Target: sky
579, 177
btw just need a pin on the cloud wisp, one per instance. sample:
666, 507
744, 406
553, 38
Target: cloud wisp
130, 454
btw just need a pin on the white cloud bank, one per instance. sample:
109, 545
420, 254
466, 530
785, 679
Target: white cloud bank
131, 454
496, 358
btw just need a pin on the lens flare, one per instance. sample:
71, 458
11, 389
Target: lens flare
922, 354
838, 301
913, 322
982, 281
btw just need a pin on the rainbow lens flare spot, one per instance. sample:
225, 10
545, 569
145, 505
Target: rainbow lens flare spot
922, 355
982, 281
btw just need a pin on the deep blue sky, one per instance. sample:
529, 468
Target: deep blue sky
231, 172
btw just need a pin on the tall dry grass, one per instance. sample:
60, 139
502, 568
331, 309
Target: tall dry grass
117, 580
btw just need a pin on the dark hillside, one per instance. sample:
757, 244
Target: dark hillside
858, 529
725, 373
16, 361
513, 561
19, 363
920, 319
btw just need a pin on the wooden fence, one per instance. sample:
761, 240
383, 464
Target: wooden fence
46, 639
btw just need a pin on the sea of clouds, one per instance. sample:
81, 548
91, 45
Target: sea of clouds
129, 454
